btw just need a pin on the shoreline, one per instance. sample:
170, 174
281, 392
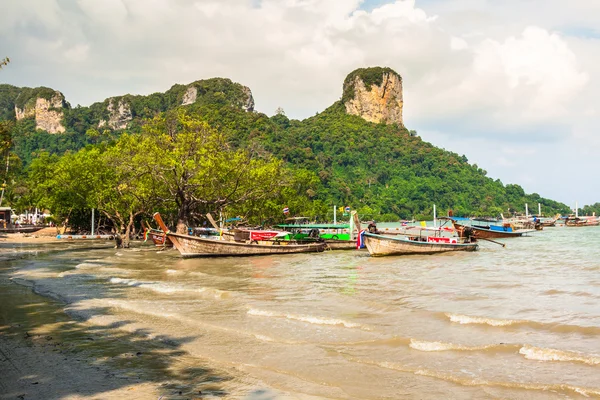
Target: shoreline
47, 353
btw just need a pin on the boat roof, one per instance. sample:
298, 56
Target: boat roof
314, 226
297, 219
456, 218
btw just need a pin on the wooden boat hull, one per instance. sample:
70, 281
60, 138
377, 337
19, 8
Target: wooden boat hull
379, 245
581, 223
192, 246
333, 244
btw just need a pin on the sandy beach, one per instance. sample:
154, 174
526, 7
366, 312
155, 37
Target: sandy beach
45, 354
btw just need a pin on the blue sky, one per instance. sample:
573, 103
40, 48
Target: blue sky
511, 84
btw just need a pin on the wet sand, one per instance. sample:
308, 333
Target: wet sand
44, 354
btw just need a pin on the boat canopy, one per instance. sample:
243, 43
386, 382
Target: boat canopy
313, 226
456, 218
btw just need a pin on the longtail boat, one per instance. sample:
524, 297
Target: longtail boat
380, 245
158, 237
336, 236
581, 221
193, 246
489, 231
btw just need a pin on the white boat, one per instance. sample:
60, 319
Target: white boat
380, 245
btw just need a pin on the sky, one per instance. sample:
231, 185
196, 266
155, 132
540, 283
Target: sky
511, 84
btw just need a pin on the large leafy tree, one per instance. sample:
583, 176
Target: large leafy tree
198, 171
99, 177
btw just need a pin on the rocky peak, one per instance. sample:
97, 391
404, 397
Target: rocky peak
119, 114
248, 105
375, 94
190, 95
46, 105
218, 89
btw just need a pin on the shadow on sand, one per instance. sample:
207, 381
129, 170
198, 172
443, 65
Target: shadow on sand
46, 352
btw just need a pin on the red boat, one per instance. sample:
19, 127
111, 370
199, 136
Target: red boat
158, 237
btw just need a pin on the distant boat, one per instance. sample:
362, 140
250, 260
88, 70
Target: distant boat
380, 245
194, 246
548, 222
581, 221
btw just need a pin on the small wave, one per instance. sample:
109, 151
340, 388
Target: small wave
423, 345
480, 381
553, 292
558, 387
264, 338
170, 289
552, 327
465, 319
307, 318
172, 271
87, 265
125, 281
544, 354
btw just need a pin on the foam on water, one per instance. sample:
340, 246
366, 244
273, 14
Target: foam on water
88, 265
423, 345
471, 380
125, 281
552, 327
465, 319
311, 319
544, 354
164, 288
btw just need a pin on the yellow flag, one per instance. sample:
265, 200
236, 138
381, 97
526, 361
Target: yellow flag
423, 223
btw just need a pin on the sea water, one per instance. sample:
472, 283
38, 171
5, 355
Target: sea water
519, 322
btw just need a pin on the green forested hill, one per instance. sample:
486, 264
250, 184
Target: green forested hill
381, 170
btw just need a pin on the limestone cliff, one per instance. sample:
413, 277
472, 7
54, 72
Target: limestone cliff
375, 94
119, 114
45, 105
190, 96
215, 90
248, 105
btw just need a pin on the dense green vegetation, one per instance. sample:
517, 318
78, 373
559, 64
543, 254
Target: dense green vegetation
593, 209
332, 158
8, 95
28, 96
178, 163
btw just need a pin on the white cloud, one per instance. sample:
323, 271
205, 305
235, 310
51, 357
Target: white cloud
457, 43
501, 72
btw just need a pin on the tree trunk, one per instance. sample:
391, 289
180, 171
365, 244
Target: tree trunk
183, 217
127, 238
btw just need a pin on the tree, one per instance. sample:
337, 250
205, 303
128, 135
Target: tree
125, 188
99, 177
7, 158
199, 172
